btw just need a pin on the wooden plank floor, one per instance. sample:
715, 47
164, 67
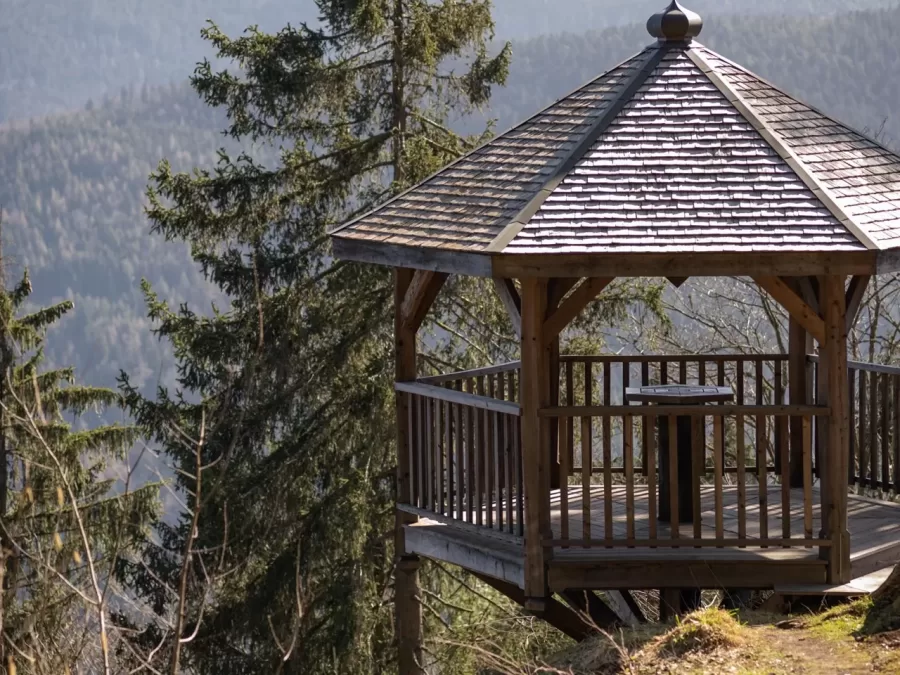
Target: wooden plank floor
874, 525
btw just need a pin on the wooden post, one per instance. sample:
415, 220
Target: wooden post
799, 395
836, 441
535, 441
407, 608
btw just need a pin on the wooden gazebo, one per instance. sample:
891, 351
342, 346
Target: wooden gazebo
539, 476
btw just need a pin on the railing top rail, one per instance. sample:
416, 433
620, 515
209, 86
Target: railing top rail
687, 410
860, 365
467, 374
673, 358
459, 397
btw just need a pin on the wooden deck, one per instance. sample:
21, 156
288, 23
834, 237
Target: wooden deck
874, 533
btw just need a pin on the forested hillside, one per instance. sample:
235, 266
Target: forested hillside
57, 55
72, 186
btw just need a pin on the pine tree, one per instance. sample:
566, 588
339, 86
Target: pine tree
284, 396
64, 521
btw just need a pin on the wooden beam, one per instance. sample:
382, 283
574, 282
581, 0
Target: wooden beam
574, 304
855, 294
837, 442
678, 282
420, 297
592, 607
407, 608
509, 296
534, 394
551, 265
799, 395
556, 614
794, 304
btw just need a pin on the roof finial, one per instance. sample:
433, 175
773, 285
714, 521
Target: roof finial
675, 24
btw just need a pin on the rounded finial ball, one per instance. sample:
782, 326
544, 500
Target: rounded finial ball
675, 23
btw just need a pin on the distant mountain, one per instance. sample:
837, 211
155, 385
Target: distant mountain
72, 186
58, 54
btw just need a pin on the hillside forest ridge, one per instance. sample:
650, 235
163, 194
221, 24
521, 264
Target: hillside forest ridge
197, 422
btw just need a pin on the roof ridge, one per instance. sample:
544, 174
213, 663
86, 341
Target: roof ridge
656, 54
820, 191
486, 143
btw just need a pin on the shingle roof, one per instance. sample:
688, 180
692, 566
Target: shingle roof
676, 150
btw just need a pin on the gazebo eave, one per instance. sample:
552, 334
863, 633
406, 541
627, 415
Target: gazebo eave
616, 264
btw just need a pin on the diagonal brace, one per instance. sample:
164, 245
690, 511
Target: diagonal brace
572, 306
795, 306
420, 297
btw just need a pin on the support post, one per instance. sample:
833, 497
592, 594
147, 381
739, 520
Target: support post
535, 392
407, 608
799, 395
836, 442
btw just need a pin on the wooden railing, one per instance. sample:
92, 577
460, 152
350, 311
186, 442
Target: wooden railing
732, 486
466, 460
500, 382
465, 452
757, 380
874, 425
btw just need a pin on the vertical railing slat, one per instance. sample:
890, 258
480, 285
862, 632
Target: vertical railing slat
885, 433
863, 427
741, 438
471, 491
873, 430
440, 422
628, 451
807, 478
762, 460
565, 425
673, 476
645, 424
587, 467
718, 465
698, 470
607, 456
650, 450
896, 433
429, 454
854, 430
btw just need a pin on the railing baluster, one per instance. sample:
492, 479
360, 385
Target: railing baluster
780, 447
673, 476
885, 424
645, 424
459, 461
863, 427
520, 492
873, 430
498, 469
698, 470
607, 457
762, 478
470, 457
896, 433
570, 438
718, 457
428, 454
650, 453
784, 456
851, 397
807, 478
762, 460
565, 432
741, 438
586, 469
440, 421
509, 451
628, 451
